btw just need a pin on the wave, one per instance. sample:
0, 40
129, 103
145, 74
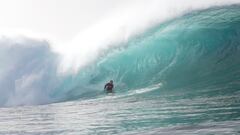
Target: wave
188, 49
195, 51
27, 71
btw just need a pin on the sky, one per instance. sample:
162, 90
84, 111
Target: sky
59, 19
80, 30
63, 20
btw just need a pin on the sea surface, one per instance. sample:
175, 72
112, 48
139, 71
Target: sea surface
179, 77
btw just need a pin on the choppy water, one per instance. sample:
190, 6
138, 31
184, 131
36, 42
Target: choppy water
167, 113
180, 77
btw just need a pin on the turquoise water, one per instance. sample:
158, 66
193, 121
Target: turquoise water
180, 77
175, 113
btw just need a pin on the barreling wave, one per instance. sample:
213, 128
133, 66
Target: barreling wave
197, 51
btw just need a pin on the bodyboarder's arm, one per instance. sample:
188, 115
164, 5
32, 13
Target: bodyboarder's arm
105, 86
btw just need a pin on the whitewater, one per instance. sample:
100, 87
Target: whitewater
174, 74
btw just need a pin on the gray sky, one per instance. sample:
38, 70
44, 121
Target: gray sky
61, 19
81, 29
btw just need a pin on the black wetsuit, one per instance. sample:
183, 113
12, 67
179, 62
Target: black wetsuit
109, 87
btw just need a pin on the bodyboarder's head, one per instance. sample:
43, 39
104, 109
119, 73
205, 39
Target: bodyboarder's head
111, 81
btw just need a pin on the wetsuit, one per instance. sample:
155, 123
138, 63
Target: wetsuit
109, 87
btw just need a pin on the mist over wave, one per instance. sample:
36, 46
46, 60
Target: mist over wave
122, 24
195, 51
28, 71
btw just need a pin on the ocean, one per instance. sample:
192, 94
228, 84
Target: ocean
181, 76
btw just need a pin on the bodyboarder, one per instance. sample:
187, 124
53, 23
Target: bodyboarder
109, 87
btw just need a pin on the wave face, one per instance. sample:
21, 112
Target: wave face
196, 51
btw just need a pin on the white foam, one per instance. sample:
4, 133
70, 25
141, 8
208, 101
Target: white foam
145, 90
27, 67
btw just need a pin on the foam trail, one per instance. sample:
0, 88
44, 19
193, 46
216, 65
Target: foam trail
144, 90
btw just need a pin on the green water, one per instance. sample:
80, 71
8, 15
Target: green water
180, 77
